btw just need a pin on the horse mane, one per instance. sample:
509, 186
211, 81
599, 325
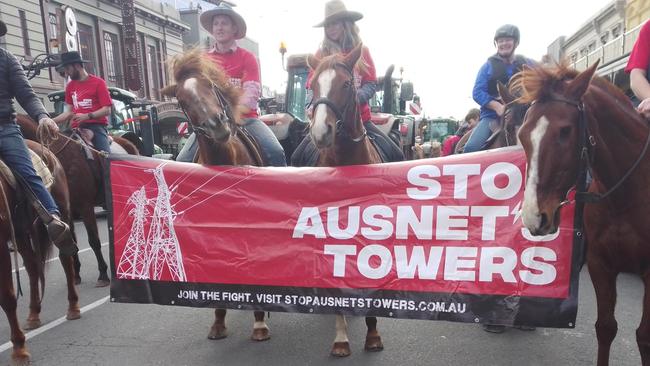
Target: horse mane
195, 63
328, 62
540, 82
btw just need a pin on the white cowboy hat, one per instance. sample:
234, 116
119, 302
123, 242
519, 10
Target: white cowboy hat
335, 10
224, 9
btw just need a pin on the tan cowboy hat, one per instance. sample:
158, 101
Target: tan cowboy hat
335, 10
224, 9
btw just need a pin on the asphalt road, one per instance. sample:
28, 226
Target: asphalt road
126, 334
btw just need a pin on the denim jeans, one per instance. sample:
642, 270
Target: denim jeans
14, 153
272, 152
100, 136
480, 134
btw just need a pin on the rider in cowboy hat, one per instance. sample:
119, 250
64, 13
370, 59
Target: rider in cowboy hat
226, 26
13, 151
341, 35
89, 113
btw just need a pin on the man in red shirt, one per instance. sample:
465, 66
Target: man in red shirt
88, 100
638, 66
226, 26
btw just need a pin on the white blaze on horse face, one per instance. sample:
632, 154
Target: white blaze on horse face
530, 215
319, 128
191, 85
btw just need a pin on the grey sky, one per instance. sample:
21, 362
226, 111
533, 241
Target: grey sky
440, 44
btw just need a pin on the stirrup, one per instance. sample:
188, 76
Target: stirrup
60, 235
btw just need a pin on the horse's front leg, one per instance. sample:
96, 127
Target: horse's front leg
31, 267
8, 302
218, 329
67, 262
90, 222
604, 281
643, 331
373, 339
341, 346
260, 329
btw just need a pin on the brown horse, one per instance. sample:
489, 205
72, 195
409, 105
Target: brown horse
211, 104
339, 134
34, 246
85, 180
581, 123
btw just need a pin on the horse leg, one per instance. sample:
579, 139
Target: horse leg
31, 267
341, 346
604, 282
8, 302
373, 339
218, 330
260, 329
643, 331
75, 258
93, 239
67, 262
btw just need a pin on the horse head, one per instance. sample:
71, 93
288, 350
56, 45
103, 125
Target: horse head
335, 99
551, 140
205, 94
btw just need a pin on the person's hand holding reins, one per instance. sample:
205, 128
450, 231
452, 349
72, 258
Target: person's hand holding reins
49, 123
80, 117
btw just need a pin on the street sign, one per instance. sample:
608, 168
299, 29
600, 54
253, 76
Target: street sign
132, 56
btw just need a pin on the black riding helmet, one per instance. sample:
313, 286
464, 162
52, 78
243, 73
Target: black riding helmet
507, 30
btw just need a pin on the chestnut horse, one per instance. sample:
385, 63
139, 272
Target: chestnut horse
341, 138
85, 180
579, 123
210, 102
34, 246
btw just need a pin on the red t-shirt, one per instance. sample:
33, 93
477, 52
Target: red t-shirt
88, 96
368, 75
640, 56
241, 66
449, 144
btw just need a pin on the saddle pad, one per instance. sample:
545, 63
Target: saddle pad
42, 170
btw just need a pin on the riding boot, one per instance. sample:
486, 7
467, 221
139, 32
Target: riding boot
60, 235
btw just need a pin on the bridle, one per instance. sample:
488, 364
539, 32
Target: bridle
587, 144
350, 105
224, 117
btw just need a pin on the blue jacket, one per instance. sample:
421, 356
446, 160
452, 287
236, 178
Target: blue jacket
484, 87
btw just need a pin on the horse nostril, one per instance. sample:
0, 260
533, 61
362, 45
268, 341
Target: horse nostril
543, 220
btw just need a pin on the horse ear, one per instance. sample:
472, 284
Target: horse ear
354, 55
578, 86
169, 91
504, 93
313, 61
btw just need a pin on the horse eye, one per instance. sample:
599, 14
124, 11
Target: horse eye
564, 133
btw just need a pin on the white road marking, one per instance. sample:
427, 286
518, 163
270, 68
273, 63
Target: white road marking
55, 323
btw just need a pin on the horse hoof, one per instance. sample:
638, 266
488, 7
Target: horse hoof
261, 334
31, 324
341, 349
20, 358
102, 283
73, 314
218, 332
373, 344
77, 280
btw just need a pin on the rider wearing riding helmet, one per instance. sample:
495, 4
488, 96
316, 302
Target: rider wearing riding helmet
226, 27
499, 67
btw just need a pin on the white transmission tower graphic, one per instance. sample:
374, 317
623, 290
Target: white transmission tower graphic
146, 259
133, 263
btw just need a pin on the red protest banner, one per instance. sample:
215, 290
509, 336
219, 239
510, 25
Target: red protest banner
449, 227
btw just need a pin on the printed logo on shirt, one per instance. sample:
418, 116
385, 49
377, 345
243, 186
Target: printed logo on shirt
236, 82
84, 103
